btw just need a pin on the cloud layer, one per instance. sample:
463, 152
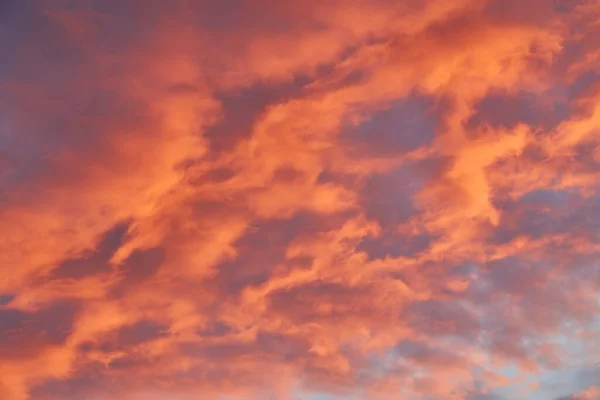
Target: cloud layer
292, 199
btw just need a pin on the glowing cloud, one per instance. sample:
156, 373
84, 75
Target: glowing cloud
296, 199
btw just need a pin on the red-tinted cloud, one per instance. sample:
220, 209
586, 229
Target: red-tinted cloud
383, 199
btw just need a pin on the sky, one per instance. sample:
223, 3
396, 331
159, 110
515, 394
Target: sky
300, 200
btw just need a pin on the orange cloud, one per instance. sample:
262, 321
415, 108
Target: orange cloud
285, 199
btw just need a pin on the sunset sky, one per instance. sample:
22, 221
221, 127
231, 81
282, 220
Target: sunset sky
300, 199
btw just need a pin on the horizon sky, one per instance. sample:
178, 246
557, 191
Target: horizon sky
300, 200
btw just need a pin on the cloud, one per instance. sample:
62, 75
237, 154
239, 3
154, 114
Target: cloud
368, 199
592, 392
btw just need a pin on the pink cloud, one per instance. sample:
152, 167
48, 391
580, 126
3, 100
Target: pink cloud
374, 198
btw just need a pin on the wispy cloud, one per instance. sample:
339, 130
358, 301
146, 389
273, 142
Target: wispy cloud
262, 199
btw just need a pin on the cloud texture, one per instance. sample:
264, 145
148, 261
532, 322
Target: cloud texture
264, 199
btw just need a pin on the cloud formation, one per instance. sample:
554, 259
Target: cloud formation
292, 199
